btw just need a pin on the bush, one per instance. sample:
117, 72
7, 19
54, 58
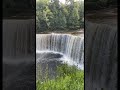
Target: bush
68, 78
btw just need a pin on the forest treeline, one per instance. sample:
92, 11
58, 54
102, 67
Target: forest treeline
54, 15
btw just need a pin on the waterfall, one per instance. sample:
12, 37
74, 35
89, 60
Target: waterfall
100, 56
18, 37
18, 59
72, 47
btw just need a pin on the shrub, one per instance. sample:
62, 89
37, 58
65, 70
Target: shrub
68, 78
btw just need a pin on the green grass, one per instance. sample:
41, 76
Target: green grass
68, 78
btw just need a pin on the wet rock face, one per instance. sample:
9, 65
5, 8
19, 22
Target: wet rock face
100, 57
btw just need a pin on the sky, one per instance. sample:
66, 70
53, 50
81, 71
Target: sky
63, 1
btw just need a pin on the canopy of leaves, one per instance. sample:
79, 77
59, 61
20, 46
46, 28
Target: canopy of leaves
54, 15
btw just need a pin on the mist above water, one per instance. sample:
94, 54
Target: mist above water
70, 47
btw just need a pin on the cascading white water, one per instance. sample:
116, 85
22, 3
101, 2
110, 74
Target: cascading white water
100, 56
72, 47
18, 37
18, 54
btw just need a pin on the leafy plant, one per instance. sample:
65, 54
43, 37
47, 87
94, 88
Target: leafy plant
68, 78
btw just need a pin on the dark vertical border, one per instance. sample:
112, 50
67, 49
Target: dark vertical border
1, 22
35, 45
118, 59
84, 44
118, 82
1, 17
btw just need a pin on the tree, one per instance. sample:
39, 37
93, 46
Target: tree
53, 15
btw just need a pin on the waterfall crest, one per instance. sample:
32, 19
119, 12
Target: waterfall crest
100, 56
70, 46
18, 37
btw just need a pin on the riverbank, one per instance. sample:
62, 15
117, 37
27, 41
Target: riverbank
104, 16
73, 32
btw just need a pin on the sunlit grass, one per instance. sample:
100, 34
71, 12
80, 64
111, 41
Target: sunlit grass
68, 78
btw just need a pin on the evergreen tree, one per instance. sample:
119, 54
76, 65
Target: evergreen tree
53, 15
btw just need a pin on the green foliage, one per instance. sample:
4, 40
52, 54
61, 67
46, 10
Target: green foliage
53, 15
68, 78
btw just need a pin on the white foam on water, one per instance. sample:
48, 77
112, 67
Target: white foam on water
69, 46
